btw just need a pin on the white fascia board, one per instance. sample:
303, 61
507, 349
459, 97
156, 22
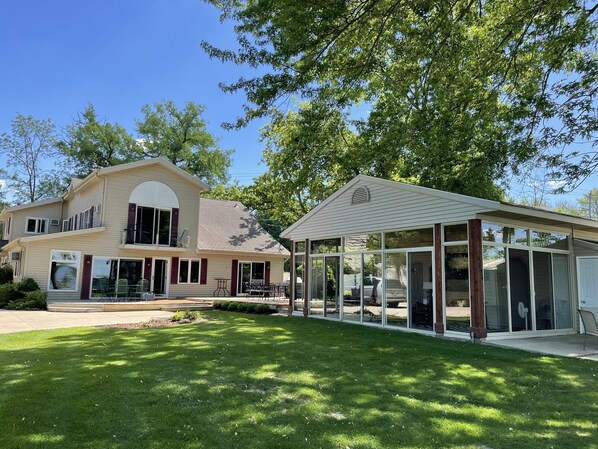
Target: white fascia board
159, 161
547, 215
61, 235
11, 209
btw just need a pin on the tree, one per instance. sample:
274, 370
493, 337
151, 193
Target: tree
30, 143
180, 135
588, 204
458, 93
308, 153
91, 144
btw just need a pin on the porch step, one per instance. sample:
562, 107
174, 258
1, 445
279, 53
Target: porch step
175, 307
77, 309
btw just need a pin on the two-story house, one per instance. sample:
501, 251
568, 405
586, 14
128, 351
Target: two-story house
142, 220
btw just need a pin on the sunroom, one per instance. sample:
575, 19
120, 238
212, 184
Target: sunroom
384, 253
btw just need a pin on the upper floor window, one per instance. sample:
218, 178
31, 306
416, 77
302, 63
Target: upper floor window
36, 225
153, 214
153, 226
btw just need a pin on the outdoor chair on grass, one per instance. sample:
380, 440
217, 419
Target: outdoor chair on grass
589, 324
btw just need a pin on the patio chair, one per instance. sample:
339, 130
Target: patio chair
122, 288
589, 325
141, 289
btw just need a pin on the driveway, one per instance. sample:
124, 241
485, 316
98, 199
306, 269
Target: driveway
20, 320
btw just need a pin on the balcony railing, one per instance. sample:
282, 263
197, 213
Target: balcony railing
130, 236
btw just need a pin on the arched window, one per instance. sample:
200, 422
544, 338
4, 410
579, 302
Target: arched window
156, 213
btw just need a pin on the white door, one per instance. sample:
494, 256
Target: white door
587, 278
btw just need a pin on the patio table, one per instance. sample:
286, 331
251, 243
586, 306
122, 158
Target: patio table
222, 289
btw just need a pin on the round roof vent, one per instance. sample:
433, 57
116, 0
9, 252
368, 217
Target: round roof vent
360, 195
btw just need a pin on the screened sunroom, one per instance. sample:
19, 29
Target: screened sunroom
384, 253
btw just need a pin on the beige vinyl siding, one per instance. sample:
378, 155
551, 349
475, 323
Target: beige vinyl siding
390, 207
19, 219
88, 197
121, 184
221, 267
37, 257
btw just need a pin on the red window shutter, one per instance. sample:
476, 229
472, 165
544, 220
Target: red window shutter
267, 273
174, 227
174, 271
203, 272
86, 278
233, 277
147, 269
131, 223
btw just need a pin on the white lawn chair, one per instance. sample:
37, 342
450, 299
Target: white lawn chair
589, 324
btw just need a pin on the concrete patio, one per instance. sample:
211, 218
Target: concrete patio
561, 345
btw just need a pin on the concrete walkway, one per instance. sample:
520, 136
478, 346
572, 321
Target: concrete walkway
561, 345
20, 320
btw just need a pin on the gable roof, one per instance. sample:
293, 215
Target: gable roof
18, 207
228, 226
81, 184
443, 203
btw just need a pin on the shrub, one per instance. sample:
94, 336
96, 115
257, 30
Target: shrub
185, 316
8, 293
35, 300
233, 306
244, 307
263, 309
5, 274
27, 285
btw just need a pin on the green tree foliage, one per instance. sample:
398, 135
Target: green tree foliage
458, 93
588, 204
91, 144
180, 135
30, 143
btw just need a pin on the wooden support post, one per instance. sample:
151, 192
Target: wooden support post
439, 294
476, 280
292, 283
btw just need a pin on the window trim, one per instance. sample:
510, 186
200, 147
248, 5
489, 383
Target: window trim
190, 261
38, 220
79, 260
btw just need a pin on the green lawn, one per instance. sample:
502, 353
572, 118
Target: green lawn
263, 382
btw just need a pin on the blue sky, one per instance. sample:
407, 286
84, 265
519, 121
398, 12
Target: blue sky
119, 55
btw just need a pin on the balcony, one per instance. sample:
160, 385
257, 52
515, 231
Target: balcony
140, 239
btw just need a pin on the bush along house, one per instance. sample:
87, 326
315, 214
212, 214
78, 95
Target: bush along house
385, 253
138, 224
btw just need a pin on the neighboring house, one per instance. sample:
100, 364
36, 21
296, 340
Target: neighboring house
142, 220
391, 254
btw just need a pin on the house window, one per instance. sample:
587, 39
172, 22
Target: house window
85, 220
37, 225
188, 271
153, 226
64, 270
111, 274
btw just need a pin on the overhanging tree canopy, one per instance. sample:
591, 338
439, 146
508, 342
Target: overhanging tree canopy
457, 92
